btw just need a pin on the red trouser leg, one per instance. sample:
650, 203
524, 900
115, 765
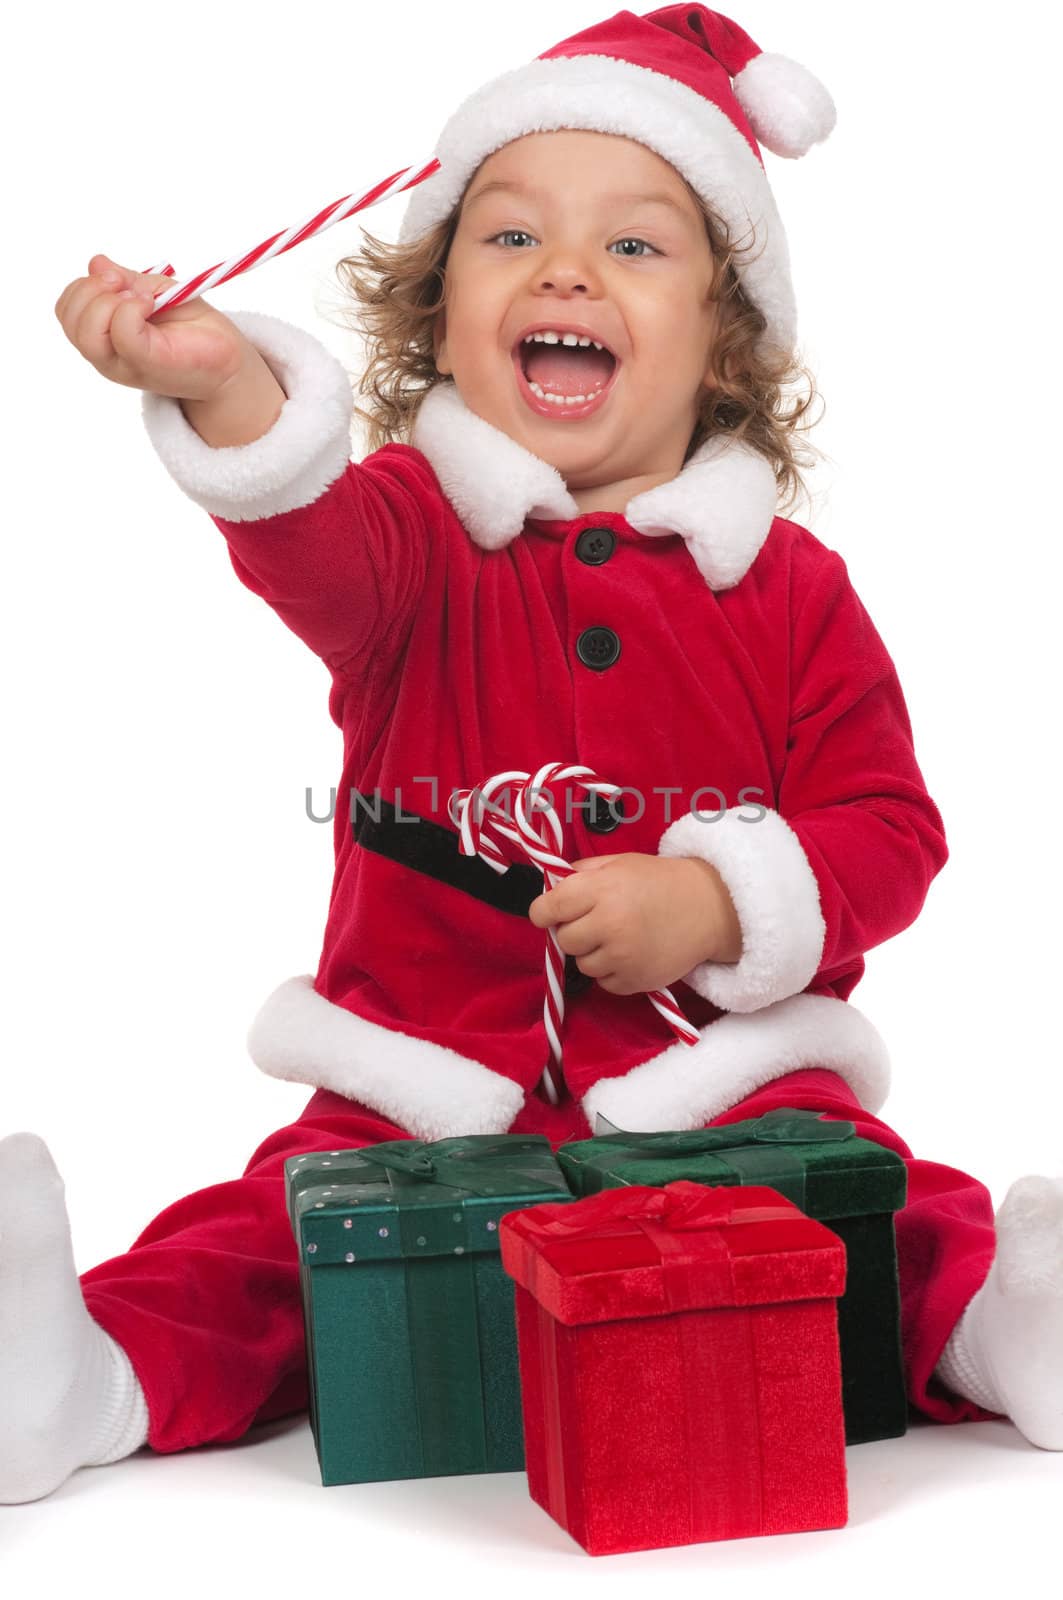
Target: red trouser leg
945, 1235
206, 1303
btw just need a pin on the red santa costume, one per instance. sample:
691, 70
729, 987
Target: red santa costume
705, 654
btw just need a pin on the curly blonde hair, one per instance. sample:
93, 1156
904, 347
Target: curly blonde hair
400, 288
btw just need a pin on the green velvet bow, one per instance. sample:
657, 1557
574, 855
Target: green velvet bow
471, 1164
753, 1150
785, 1125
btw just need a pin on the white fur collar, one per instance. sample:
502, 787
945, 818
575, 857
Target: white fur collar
722, 501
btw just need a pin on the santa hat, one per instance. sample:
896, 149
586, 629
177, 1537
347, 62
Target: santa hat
688, 83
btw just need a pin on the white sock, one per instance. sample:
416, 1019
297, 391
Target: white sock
1006, 1351
69, 1397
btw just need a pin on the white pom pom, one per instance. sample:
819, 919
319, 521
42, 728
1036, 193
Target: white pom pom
788, 108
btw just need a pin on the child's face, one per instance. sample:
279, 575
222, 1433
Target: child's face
573, 206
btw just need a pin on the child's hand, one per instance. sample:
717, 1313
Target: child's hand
188, 351
638, 922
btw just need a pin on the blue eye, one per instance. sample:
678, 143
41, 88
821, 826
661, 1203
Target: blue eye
652, 247
520, 233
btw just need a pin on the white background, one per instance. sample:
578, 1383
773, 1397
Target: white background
161, 724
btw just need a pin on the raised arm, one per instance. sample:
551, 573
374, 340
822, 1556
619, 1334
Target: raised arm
251, 417
244, 408
338, 549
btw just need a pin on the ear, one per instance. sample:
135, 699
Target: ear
711, 376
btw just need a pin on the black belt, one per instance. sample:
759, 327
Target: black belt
425, 846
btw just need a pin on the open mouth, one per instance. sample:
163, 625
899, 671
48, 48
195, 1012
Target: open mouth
564, 380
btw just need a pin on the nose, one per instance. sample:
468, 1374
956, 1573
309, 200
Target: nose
566, 271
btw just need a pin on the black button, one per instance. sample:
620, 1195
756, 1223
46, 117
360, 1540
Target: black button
595, 545
604, 814
598, 648
575, 980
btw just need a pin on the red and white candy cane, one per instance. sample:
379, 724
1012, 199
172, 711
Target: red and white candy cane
476, 839
279, 242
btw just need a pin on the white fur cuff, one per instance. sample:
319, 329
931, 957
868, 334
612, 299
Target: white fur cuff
776, 897
294, 461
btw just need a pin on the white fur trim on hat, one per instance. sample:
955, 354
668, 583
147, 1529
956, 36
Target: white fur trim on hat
685, 1086
600, 94
775, 895
294, 461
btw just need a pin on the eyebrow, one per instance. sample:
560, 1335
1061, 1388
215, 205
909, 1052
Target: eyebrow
655, 197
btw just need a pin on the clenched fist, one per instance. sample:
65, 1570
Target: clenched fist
189, 351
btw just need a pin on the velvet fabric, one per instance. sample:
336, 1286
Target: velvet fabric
680, 1376
206, 1301
408, 1317
661, 42
756, 707
825, 1168
854, 1185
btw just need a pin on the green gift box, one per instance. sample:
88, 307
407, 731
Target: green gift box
850, 1184
409, 1317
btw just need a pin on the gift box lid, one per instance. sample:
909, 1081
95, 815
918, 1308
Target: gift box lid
643, 1252
823, 1166
406, 1198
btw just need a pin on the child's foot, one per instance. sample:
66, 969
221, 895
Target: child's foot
68, 1395
1006, 1351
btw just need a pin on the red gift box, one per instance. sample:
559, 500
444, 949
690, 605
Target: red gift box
680, 1373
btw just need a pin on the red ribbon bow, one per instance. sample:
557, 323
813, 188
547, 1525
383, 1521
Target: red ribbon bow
679, 1207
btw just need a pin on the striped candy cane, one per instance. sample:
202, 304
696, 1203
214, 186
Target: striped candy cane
279, 242
476, 838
